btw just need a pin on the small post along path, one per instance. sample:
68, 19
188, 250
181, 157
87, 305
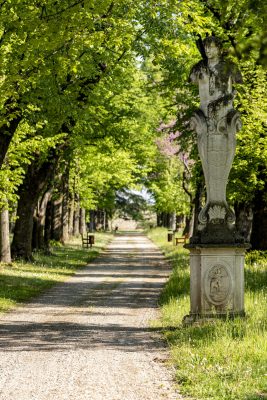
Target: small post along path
90, 337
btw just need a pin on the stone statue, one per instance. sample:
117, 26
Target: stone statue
217, 253
216, 123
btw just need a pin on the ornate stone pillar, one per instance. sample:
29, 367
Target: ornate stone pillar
216, 252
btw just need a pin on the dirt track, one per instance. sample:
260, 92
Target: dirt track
90, 337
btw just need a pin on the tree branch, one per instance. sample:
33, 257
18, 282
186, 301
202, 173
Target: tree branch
50, 16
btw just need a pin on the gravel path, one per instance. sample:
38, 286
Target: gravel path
90, 337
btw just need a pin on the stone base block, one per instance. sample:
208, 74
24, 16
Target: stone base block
216, 281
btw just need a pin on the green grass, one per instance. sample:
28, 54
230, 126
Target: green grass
216, 360
21, 281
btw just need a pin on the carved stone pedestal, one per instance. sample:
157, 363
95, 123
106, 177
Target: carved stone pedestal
217, 251
216, 280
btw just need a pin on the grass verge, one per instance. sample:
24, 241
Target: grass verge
216, 360
21, 281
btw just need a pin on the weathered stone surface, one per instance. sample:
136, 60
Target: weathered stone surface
217, 253
217, 281
216, 123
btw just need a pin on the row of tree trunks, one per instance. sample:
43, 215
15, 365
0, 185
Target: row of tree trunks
98, 220
169, 220
82, 221
37, 178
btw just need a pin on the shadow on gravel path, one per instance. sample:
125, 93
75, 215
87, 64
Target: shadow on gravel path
93, 330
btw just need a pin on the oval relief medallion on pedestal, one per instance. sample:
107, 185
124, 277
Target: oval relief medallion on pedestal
218, 284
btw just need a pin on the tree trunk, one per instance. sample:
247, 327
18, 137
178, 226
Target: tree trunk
48, 226
244, 218
259, 224
38, 236
36, 179
82, 222
76, 219
159, 223
92, 221
65, 211
105, 220
6, 133
22, 240
5, 243
173, 221
71, 216
57, 219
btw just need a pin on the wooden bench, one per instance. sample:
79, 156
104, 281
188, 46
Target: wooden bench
182, 239
88, 240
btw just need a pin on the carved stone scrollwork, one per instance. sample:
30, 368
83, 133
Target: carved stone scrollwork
217, 251
216, 124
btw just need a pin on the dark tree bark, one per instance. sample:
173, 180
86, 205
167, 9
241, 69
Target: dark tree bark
106, 220
6, 134
57, 219
48, 226
100, 219
92, 225
36, 180
5, 243
164, 220
71, 216
244, 218
160, 219
259, 224
65, 207
38, 236
76, 219
60, 223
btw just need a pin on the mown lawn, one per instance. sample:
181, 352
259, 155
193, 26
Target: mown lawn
21, 281
216, 360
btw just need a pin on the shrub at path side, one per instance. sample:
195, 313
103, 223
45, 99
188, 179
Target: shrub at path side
21, 281
218, 360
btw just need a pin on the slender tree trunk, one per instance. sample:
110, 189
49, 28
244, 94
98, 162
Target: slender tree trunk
159, 219
92, 221
36, 179
65, 210
76, 219
165, 220
105, 220
97, 220
71, 216
48, 226
5, 242
57, 218
82, 221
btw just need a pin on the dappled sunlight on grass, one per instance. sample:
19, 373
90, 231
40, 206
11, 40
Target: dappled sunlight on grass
22, 280
216, 359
